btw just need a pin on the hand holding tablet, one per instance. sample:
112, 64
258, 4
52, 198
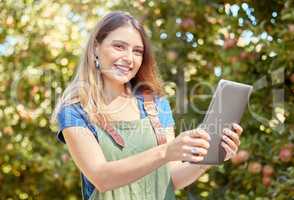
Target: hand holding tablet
226, 108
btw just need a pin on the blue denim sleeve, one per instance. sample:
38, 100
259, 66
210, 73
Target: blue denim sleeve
165, 113
69, 116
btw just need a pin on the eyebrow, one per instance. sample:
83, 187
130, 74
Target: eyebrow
127, 43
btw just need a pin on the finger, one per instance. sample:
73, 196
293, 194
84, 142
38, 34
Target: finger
196, 133
198, 142
192, 158
200, 151
237, 128
196, 159
228, 150
232, 135
230, 142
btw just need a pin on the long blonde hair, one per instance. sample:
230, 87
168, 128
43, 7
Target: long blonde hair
86, 87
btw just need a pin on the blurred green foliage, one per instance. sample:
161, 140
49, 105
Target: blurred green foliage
196, 43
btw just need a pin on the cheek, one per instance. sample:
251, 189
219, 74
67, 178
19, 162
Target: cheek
109, 55
137, 65
113, 55
138, 62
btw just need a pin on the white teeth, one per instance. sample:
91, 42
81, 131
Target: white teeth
123, 68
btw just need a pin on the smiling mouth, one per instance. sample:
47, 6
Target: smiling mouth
123, 69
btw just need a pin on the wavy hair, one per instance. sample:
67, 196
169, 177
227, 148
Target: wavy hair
86, 87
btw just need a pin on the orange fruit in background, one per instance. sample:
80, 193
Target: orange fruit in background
266, 181
267, 170
285, 154
240, 157
254, 167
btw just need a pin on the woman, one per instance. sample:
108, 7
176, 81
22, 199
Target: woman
118, 126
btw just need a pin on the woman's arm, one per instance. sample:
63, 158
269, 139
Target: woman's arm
104, 175
183, 174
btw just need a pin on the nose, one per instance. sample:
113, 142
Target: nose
128, 57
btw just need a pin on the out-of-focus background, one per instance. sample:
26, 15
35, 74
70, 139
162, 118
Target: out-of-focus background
196, 43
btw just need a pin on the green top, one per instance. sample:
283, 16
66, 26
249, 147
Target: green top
139, 136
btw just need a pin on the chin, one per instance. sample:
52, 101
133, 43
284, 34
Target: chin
119, 79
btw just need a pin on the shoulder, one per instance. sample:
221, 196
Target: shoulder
164, 111
163, 107
162, 103
71, 113
75, 107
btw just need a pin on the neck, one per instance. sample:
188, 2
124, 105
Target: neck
112, 90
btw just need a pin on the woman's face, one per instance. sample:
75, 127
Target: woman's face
120, 54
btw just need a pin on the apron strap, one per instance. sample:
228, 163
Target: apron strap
150, 107
110, 130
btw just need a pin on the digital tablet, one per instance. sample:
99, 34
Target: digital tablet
226, 107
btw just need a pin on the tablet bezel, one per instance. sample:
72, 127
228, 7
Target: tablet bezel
239, 96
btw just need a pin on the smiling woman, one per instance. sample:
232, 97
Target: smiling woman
120, 57
118, 125
116, 70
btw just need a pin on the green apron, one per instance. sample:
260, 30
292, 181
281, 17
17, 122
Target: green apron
138, 136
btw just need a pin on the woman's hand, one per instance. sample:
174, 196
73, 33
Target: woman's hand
189, 145
231, 140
